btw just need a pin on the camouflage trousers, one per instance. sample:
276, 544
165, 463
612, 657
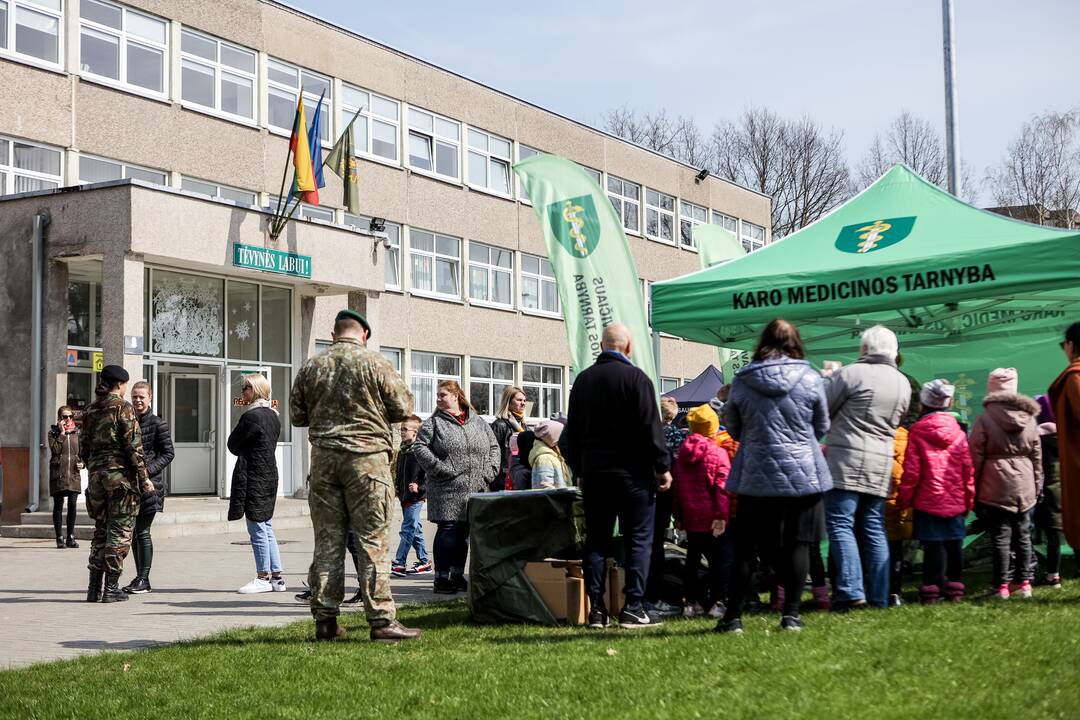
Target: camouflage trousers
114, 507
349, 490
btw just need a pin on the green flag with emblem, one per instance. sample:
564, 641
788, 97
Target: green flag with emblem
342, 161
597, 280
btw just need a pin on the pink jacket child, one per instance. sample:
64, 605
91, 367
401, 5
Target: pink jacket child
701, 471
938, 476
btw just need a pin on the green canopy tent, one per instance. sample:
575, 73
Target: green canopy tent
964, 289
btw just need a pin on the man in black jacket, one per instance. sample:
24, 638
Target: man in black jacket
615, 443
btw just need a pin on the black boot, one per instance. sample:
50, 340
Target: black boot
93, 591
59, 542
138, 586
70, 541
328, 630
113, 593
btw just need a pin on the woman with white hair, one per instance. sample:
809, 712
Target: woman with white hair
867, 400
255, 481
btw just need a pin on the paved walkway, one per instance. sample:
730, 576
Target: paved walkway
44, 616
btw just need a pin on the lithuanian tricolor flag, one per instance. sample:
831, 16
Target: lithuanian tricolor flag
304, 177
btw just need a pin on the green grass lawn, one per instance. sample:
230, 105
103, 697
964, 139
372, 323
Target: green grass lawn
1012, 659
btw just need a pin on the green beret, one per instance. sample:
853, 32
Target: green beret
347, 314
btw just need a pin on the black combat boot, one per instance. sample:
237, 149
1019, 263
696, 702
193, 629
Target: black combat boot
60, 542
70, 542
93, 591
113, 593
328, 630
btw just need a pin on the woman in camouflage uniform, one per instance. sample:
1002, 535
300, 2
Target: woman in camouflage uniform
111, 448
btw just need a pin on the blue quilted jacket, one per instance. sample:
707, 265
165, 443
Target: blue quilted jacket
777, 411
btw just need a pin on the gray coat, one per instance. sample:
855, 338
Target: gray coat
777, 412
867, 400
458, 460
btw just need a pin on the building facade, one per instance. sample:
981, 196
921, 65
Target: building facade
172, 119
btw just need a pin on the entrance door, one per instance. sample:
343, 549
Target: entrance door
194, 427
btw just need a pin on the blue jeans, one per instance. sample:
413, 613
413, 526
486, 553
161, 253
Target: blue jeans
865, 560
412, 535
264, 545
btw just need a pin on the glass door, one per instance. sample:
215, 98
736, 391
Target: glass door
194, 469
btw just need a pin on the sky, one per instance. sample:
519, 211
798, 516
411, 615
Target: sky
849, 64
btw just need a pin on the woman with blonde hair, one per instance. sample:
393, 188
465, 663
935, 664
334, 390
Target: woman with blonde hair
255, 480
460, 456
509, 421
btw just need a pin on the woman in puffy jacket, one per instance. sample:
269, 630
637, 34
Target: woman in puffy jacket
64, 478
158, 452
255, 481
549, 470
1007, 457
778, 412
939, 484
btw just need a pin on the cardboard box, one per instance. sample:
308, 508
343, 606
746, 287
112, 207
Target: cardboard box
577, 602
550, 583
614, 595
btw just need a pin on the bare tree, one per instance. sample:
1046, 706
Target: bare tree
1042, 169
655, 131
796, 162
915, 142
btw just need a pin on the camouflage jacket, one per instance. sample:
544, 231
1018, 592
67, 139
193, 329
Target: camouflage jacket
348, 397
112, 440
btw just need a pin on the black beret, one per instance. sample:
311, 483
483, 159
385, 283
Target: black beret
114, 374
347, 314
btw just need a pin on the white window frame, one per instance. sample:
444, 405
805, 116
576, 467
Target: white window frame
658, 209
394, 356
433, 139
393, 236
219, 188
524, 151
7, 32
728, 222
542, 385
491, 270
492, 160
125, 169
435, 257
418, 376
305, 211
595, 175
370, 117
219, 70
666, 385
749, 236
310, 96
541, 278
620, 200
491, 382
9, 171
123, 38
688, 214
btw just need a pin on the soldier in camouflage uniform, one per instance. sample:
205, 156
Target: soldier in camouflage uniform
112, 452
348, 397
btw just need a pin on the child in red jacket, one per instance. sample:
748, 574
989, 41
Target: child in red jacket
939, 483
701, 504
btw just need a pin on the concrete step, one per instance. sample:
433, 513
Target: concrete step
182, 516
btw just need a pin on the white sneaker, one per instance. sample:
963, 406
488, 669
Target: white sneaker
278, 584
258, 585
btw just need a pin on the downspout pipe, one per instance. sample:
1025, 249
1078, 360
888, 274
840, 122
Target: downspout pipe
37, 371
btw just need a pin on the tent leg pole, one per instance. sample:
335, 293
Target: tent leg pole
656, 357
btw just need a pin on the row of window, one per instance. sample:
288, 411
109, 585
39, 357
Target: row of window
128, 48
487, 379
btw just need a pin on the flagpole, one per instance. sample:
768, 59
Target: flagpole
279, 221
285, 174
